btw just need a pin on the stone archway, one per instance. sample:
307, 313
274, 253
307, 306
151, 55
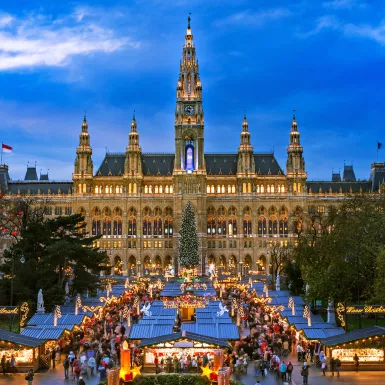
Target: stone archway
233, 264
157, 265
118, 264
261, 264
131, 265
147, 265
247, 264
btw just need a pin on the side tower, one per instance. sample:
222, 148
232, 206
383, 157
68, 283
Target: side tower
83, 170
189, 118
295, 164
246, 165
133, 161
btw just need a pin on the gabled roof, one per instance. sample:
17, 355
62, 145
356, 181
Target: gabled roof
31, 174
228, 331
19, 339
354, 335
146, 331
184, 336
348, 174
45, 333
158, 164
266, 164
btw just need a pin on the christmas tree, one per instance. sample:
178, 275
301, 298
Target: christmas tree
188, 242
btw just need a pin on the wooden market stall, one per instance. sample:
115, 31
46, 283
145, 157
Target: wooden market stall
368, 344
26, 350
177, 343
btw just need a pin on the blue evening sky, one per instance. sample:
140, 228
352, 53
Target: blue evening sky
324, 58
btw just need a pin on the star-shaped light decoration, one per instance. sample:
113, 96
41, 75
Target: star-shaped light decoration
206, 371
136, 371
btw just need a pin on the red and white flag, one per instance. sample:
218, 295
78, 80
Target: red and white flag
6, 148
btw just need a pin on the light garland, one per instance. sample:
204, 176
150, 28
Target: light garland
307, 314
24, 310
56, 315
186, 301
78, 304
266, 290
291, 305
340, 310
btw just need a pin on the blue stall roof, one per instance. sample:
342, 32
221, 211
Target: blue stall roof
228, 331
141, 331
45, 333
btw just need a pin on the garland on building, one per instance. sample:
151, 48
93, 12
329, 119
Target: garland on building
188, 242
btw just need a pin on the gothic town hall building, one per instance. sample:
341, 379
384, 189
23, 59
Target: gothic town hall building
243, 200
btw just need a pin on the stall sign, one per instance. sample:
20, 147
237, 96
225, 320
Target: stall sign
364, 355
369, 309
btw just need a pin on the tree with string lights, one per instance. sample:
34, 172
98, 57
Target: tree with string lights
189, 241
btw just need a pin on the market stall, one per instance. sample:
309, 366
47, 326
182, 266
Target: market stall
180, 343
368, 344
26, 350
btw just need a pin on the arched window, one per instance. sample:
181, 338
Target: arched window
233, 189
268, 189
211, 227
167, 212
232, 211
258, 191
272, 189
147, 230
96, 226
168, 229
117, 228
228, 189
96, 212
96, 189
283, 229
147, 212
278, 189
212, 189
232, 227
262, 189
262, 211
218, 189
244, 188
273, 226
221, 211
171, 189
150, 189
222, 226
135, 189
156, 190
157, 212
167, 190
247, 226
282, 189
208, 189
106, 212
262, 227
223, 189
130, 188
117, 212
189, 154
107, 226
157, 226
249, 188
131, 227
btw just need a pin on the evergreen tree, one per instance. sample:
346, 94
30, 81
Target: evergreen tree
189, 241
56, 251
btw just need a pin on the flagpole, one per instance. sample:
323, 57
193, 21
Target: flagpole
1, 161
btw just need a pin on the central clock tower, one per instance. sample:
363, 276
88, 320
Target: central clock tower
189, 118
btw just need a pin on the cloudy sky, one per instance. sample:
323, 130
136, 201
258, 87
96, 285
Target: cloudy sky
325, 59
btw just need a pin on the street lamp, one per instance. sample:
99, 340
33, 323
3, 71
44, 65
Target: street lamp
22, 260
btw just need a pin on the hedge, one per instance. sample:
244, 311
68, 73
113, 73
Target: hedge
172, 379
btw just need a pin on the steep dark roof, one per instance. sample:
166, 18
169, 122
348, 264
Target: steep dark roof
221, 164
18, 339
184, 336
158, 164
336, 177
30, 187
31, 174
354, 335
163, 164
266, 164
4, 178
112, 165
348, 175
44, 177
378, 178
344, 187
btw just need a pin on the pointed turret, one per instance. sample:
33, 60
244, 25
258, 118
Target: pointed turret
189, 117
295, 165
83, 163
246, 165
133, 163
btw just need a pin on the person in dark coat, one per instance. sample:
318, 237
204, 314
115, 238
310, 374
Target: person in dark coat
205, 360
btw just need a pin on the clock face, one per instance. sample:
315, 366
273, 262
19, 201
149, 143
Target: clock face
189, 110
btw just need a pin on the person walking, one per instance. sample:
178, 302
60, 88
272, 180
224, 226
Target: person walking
323, 365
13, 364
263, 368
356, 362
283, 370
156, 363
53, 358
338, 366
289, 371
29, 376
257, 368
3, 364
332, 365
66, 366
81, 381
299, 352
92, 365
305, 373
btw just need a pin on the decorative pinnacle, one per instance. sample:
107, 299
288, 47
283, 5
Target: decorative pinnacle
133, 116
188, 20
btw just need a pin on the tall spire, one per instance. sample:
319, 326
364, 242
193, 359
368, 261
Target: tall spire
133, 162
246, 164
83, 162
295, 164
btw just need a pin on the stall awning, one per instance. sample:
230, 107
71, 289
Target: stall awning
19, 339
140, 331
47, 334
229, 331
318, 334
355, 335
184, 336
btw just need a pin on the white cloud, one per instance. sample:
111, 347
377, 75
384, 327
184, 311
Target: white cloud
40, 41
255, 19
324, 22
343, 4
375, 33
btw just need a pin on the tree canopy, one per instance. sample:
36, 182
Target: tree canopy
56, 251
